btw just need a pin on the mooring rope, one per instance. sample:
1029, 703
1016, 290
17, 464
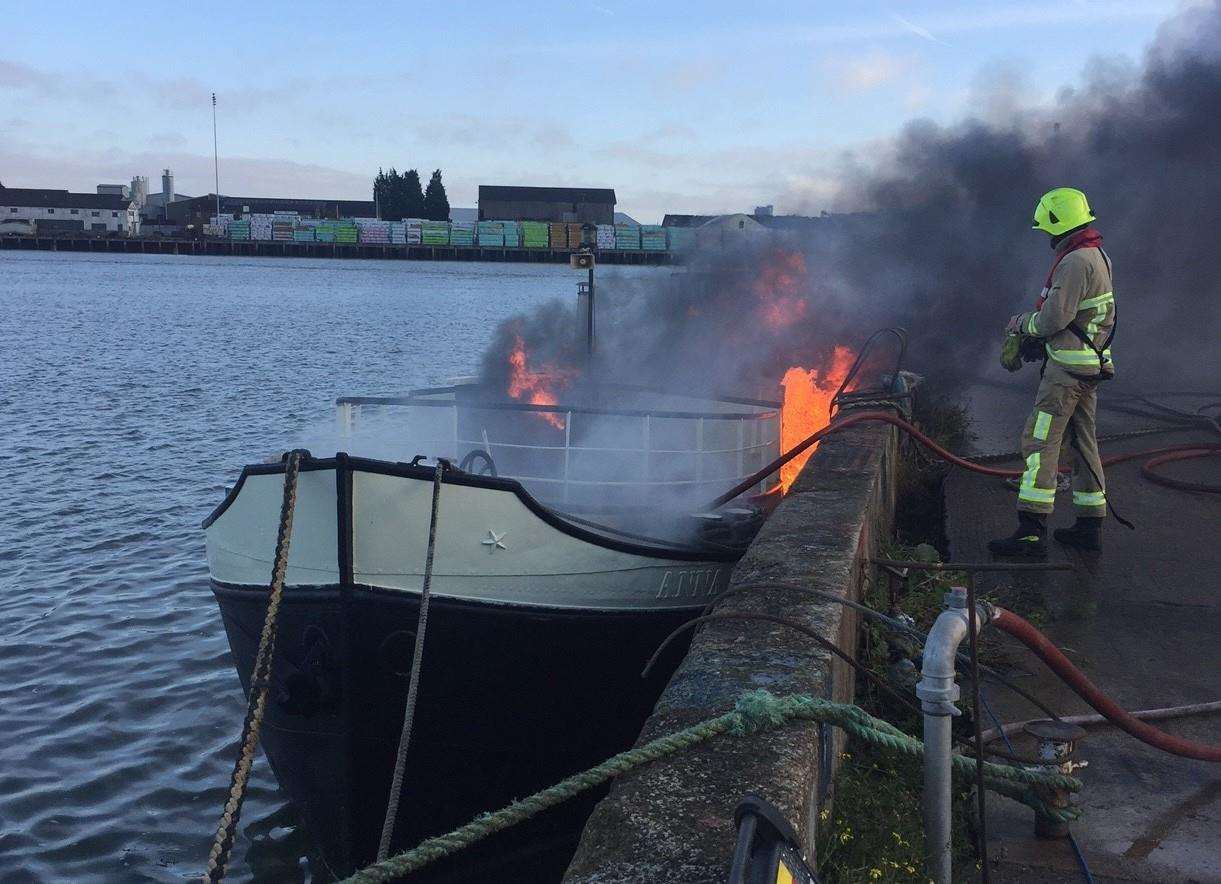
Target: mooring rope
260, 680
754, 712
413, 686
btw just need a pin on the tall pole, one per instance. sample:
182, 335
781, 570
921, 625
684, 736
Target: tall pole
215, 158
589, 331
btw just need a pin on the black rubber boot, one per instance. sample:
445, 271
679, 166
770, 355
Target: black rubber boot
1086, 533
1029, 541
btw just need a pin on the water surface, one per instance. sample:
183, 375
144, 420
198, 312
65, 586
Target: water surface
132, 390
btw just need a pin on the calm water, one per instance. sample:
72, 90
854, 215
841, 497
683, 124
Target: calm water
132, 389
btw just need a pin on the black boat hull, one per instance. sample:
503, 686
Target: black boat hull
511, 700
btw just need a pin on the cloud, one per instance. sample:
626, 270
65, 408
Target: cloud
864, 73
22, 77
31, 165
167, 140
469, 130
170, 93
690, 75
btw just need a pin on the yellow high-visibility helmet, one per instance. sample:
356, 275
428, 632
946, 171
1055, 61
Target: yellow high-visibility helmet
1060, 210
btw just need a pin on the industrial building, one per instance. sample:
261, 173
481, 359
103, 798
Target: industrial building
63, 210
154, 207
587, 205
199, 210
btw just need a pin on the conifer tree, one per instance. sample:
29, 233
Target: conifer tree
413, 195
380, 189
436, 203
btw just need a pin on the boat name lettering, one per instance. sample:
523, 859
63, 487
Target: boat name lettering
688, 584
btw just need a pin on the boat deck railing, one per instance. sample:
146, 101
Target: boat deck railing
584, 455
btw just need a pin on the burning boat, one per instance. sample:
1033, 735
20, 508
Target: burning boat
567, 547
572, 536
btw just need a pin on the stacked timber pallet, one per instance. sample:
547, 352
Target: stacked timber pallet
434, 233
558, 234
575, 235
283, 224
627, 236
462, 233
534, 234
398, 233
490, 233
682, 239
304, 233
605, 236
373, 232
260, 225
239, 230
415, 231
653, 238
346, 232
324, 231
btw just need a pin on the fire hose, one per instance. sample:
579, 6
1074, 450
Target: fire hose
1008, 621
1158, 456
1043, 648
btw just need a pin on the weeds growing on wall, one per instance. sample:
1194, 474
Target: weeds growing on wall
873, 831
920, 511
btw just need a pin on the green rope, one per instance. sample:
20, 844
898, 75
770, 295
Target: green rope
754, 712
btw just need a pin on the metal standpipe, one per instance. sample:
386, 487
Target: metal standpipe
938, 692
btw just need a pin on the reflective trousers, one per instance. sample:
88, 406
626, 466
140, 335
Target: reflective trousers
1064, 414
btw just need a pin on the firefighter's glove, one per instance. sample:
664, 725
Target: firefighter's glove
1032, 349
1011, 353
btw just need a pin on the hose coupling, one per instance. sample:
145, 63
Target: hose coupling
938, 695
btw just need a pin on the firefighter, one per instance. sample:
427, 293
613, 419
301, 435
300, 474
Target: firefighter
1071, 330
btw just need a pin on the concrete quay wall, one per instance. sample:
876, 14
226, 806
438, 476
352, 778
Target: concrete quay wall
673, 820
156, 245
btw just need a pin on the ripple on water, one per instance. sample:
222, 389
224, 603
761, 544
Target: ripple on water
144, 383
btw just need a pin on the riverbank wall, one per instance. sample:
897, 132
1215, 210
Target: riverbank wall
673, 820
157, 245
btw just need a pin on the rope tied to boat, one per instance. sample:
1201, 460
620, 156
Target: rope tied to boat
413, 686
260, 679
754, 712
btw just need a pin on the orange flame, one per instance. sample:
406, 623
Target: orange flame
779, 290
807, 407
536, 386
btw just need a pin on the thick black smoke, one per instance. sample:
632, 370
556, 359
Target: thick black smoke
944, 247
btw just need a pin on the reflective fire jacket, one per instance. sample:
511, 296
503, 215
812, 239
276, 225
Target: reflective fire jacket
1080, 295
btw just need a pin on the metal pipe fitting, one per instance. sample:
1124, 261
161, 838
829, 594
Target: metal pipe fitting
1057, 742
938, 692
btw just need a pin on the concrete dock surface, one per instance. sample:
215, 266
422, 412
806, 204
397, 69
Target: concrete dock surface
1143, 621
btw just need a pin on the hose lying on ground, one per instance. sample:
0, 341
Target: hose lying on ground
1193, 449
1165, 713
1043, 648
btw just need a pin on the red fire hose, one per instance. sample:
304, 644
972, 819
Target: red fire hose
1007, 620
1161, 455
1088, 691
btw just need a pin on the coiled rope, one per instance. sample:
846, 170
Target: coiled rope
260, 680
413, 686
754, 712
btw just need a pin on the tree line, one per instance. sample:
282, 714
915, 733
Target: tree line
401, 196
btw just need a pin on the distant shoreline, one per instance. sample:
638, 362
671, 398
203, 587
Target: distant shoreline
159, 245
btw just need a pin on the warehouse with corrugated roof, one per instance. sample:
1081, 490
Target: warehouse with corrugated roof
62, 210
588, 205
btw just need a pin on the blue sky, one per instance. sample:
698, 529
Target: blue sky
680, 106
